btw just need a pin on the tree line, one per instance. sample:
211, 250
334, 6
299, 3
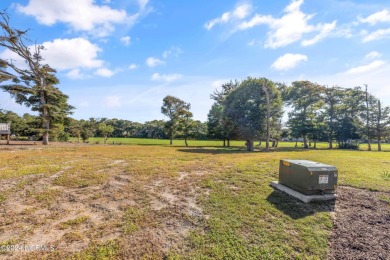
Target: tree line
250, 110
334, 114
28, 127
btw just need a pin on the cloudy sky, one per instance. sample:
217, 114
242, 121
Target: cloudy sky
119, 58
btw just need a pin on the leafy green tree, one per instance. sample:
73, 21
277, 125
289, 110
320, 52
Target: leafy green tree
174, 108
219, 127
86, 133
381, 117
305, 99
34, 86
18, 124
215, 124
198, 130
75, 128
105, 130
332, 97
33, 123
153, 129
185, 125
347, 118
246, 107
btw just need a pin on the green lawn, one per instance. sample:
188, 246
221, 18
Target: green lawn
211, 143
238, 215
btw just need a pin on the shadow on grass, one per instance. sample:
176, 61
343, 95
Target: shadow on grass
20, 143
297, 209
213, 150
229, 150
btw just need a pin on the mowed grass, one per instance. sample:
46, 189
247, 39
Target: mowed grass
246, 218
213, 143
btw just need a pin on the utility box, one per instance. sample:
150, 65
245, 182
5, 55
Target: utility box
308, 177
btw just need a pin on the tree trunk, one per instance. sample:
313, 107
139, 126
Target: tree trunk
378, 126
260, 143
305, 142
228, 142
277, 143
268, 117
224, 143
45, 115
330, 144
368, 121
309, 142
249, 145
105, 139
296, 143
78, 138
273, 143
185, 141
45, 140
315, 144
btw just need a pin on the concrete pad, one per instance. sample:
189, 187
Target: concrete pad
300, 196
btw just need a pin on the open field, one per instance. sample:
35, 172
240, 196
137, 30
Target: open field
155, 201
211, 143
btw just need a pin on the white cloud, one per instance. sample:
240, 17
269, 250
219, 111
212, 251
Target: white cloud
71, 53
75, 74
366, 68
173, 51
325, 30
373, 55
153, 62
133, 66
288, 61
256, 20
80, 15
64, 54
126, 40
142, 4
382, 16
291, 27
104, 72
166, 78
240, 12
112, 101
376, 35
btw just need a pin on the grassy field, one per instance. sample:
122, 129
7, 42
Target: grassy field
210, 143
153, 201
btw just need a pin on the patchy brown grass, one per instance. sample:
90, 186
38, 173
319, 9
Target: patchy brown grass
151, 202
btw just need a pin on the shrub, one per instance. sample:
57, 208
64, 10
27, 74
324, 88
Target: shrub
63, 137
349, 146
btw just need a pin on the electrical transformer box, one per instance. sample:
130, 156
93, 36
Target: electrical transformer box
308, 177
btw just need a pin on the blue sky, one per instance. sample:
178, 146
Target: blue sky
120, 58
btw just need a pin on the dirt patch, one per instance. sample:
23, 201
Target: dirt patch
361, 225
162, 212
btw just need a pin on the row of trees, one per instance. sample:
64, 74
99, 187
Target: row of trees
252, 110
330, 114
29, 125
249, 110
